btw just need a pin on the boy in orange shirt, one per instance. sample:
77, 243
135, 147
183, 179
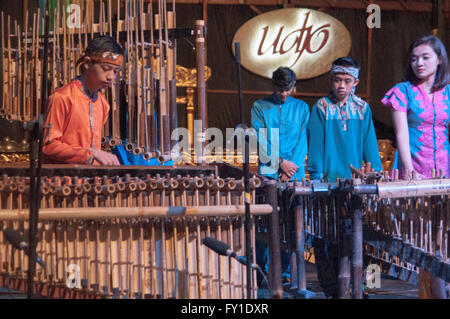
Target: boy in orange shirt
77, 111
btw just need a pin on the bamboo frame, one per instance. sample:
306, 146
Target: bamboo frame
129, 212
414, 6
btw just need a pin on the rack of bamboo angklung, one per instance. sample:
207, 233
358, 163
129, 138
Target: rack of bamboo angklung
129, 232
400, 225
143, 97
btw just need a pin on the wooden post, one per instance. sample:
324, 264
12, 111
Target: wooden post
344, 242
300, 245
357, 248
369, 62
270, 189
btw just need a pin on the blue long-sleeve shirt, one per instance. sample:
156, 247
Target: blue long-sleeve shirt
291, 119
339, 136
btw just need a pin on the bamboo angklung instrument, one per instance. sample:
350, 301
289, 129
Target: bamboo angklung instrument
151, 104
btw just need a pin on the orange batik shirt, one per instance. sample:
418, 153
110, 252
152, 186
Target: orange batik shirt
76, 124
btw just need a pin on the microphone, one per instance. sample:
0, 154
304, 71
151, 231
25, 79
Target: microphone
18, 242
224, 250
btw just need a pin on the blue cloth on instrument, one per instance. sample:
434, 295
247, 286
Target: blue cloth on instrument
128, 158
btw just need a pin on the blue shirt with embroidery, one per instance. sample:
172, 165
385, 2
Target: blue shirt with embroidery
285, 125
339, 136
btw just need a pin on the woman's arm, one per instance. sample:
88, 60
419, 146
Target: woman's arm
400, 122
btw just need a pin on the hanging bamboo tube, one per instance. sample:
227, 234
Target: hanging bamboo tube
151, 81
138, 80
171, 65
115, 140
130, 146
9, 111
54, 75
202, 112
3, 109
165, 119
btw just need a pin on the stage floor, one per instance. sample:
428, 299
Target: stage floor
390, 288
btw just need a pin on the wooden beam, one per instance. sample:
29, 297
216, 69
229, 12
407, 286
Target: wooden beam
205, 12
331, 3
255, 9
250, 92
403, 4
343, 4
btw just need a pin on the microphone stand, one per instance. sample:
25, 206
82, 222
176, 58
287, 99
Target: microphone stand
247, 221
36, 129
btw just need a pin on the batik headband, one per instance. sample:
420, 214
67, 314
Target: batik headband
345, 70
106, 57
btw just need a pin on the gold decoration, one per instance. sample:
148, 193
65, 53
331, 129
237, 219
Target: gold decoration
14, 158
188, 77
387, 153
10, 146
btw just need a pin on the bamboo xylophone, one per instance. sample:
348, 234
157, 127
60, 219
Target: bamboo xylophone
399, 222
119, 236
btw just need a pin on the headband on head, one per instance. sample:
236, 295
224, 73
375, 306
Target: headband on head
106, 57
345, 70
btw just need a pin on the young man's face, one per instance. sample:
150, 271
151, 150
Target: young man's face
102, 75
342, 85
283, 93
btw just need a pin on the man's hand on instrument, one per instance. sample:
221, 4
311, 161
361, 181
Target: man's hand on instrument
283, 177
289, 168
104, 158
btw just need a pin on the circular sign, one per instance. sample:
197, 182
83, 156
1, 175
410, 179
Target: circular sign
305, 40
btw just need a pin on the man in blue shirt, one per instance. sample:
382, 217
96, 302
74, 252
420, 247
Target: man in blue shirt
341, 131
341, 134
280, 122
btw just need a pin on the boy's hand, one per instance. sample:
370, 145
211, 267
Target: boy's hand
289, 168
283, 177
105, 158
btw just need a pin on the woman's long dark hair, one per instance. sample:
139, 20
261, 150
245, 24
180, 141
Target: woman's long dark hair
442, 73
